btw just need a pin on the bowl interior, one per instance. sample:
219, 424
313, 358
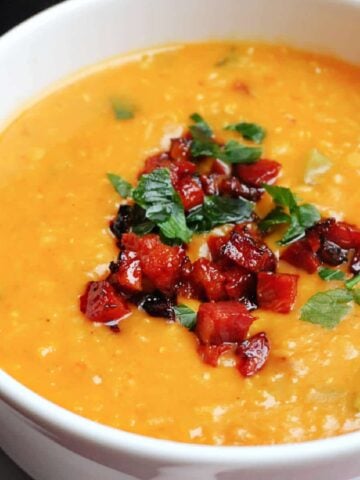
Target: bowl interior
80, 33
64, 40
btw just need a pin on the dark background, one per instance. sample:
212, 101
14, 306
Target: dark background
13, 12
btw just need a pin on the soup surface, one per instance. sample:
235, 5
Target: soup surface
56, 203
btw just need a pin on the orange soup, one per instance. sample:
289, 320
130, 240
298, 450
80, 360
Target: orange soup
152, 375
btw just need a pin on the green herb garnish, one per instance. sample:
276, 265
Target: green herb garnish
156, 195
356, 295
216, 211
123, 109
231, 57
287, 211
329, 274
204, 145
234, 152
249, 131
350, 284
121, 186
327, 308
160, 206
277, 216
317, 165
200, 126
140, 224
186, 316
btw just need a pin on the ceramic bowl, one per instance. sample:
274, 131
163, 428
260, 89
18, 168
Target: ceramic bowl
49, 442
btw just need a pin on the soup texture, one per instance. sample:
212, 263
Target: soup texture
56, 205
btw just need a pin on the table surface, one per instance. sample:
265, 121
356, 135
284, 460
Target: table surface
13, 12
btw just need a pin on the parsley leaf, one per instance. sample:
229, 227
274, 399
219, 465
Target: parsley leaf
200, 126
204, 145
217, 211
234, 152
282, 196
140, 224
293, 233
186, 316
327, 308
156, 195
356, 295
249, 131
329, 274
277, 216
300, 217
121, 186
308, 215
317, 165
123, 110
349, 284
231, 57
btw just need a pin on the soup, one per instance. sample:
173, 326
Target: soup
147, 374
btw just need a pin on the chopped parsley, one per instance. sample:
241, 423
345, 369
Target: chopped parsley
200, 126
356, 295
186, 316
329, 274
330, 307
234, 152
350, 284
162, 204
123, 109
327, 308
232, 56
287, 211
249, 131
216, 211
277, 216
121, 186
204, 145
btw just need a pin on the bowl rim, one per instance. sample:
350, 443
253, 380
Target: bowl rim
57, 420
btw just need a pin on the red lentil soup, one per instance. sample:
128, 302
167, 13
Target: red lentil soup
229, 314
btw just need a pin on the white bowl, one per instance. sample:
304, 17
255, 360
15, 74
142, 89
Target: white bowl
49, 442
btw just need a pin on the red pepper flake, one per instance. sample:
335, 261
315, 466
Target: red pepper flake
241, 87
